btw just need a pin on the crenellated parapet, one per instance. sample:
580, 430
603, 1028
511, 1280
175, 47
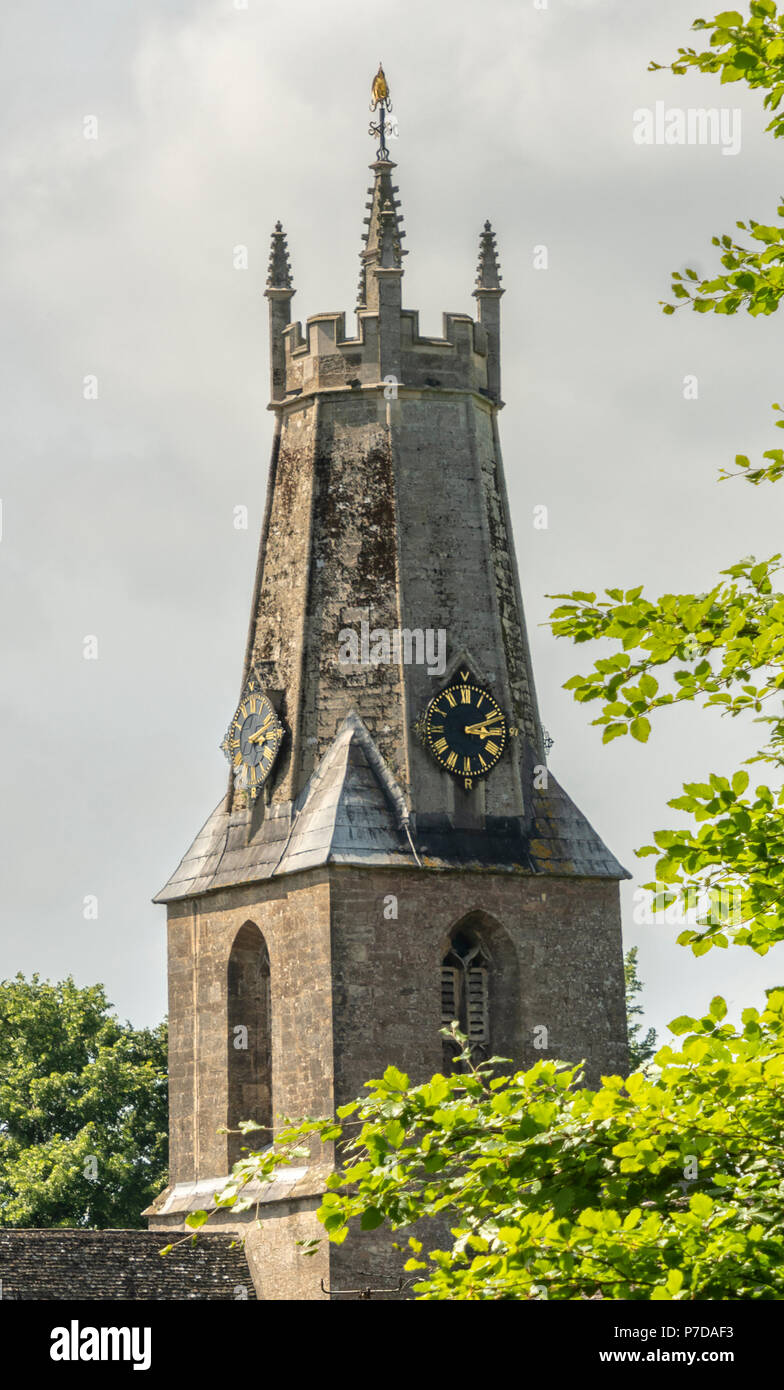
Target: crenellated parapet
388, 343
322, 357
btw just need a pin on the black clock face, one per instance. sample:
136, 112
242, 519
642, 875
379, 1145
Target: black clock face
465, 730
253, 740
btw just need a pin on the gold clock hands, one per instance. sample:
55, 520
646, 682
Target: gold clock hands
261, 737
261, 732
481, 728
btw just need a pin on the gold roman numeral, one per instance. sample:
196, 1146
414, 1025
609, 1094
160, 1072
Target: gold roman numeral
451, 701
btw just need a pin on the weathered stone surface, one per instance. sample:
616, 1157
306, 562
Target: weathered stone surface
387, 505
354, 989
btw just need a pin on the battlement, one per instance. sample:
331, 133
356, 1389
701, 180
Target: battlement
323, 357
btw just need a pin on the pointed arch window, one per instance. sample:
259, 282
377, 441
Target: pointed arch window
249, 1041
465, 989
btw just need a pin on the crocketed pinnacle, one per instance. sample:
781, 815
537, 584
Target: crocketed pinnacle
383, 235
279, 269
488, 276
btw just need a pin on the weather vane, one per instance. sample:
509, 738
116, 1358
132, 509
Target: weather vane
380, 103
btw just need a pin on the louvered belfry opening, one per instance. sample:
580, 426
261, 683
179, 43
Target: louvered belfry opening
465, 993
249, 1040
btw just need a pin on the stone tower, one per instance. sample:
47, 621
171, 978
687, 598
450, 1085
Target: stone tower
391, 852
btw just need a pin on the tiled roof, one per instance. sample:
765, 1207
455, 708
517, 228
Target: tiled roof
65, 1263
563, 842
352, 812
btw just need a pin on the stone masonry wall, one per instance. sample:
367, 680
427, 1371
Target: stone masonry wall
450, 573
293, 916
354, 577
392, 513
565, 936
353, 989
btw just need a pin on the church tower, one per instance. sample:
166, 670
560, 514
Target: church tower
392, 851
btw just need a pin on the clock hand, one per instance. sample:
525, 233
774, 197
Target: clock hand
260, 734
482, 728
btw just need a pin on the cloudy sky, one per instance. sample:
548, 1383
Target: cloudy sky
117, 262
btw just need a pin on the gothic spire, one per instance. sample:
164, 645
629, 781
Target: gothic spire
279, 269
488, 275
383, 236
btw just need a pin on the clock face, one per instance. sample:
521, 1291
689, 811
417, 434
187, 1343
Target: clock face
253, 740
465, 730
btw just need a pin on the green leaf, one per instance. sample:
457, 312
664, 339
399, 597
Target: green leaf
701, 1205
718, 1008
330, 1219
640, 729
371, 1218
195, 1219
681, 1024
613, 731
395, 1133
396, 1080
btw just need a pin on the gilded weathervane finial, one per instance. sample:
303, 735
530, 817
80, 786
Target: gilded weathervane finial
381, 103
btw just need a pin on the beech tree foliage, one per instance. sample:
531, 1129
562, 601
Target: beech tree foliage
723, 648
666, 1185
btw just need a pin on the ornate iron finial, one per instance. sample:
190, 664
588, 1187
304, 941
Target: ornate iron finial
381, 102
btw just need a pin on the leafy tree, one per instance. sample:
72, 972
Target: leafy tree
83, 1108
668, 1184
725, 647
642, 1049
749, 50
